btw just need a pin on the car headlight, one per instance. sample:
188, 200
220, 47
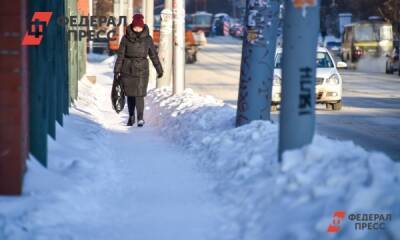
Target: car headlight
277, 80
334, 79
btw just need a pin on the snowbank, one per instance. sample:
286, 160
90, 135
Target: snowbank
268, 200
64, 191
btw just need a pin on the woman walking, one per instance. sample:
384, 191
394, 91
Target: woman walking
132, 66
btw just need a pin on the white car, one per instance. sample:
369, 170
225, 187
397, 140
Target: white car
329, 84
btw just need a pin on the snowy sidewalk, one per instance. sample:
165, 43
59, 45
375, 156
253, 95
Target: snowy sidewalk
163, 196
108, 181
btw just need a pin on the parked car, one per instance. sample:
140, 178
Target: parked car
202, 21
221, 24
193, 40
329, 83
236, 28
334, 47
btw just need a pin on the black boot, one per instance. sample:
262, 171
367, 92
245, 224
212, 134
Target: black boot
131, 121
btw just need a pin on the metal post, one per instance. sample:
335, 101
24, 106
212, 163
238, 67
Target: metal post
149, 19
179, 46
257, 69
149, 15
130, 10
144, 7
90, 27
66, 66
121, 13
300, 37
165, 46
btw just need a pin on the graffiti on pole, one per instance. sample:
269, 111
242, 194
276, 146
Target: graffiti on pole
258, 53
306, 91
300, 36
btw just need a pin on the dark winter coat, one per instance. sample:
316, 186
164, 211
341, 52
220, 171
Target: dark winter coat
132, 61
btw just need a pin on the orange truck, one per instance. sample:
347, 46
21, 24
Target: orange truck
193, 41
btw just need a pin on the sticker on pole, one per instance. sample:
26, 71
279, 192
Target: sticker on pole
304, 3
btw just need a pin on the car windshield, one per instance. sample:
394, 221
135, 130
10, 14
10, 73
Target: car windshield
323, 60
366, 32
333, 44
202, 19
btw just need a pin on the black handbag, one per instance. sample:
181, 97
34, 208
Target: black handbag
117, 94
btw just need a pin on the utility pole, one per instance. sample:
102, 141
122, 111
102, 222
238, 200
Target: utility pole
121, 13
130, 11
257, 67
234, 8
144, 7
179, 46
148, 12
90, 27
300, 38
165, 46
149, 15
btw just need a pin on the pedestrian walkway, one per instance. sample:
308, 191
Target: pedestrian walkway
157, 190
107, 181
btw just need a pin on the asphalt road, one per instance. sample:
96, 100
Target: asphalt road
370, 116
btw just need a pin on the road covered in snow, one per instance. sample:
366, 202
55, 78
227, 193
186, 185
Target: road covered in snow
370, 116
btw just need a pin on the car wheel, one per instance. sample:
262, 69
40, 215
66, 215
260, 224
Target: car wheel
337, 106
329, 106
189, 59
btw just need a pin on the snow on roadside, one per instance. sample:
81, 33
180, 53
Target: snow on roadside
268, 200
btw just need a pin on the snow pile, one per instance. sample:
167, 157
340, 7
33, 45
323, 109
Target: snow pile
268, 200
64, 192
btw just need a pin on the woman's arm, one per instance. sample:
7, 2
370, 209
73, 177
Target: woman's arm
121, 55
154, 58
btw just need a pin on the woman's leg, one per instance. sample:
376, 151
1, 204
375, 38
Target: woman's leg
131, 106
140, 107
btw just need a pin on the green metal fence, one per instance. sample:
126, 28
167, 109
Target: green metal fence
55, 66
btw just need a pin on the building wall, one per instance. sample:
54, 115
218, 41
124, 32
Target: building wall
37, 84
13, 98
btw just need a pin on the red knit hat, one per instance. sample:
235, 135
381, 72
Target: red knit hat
138, 20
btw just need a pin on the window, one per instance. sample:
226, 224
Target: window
366, 32
323, 60
386, 33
